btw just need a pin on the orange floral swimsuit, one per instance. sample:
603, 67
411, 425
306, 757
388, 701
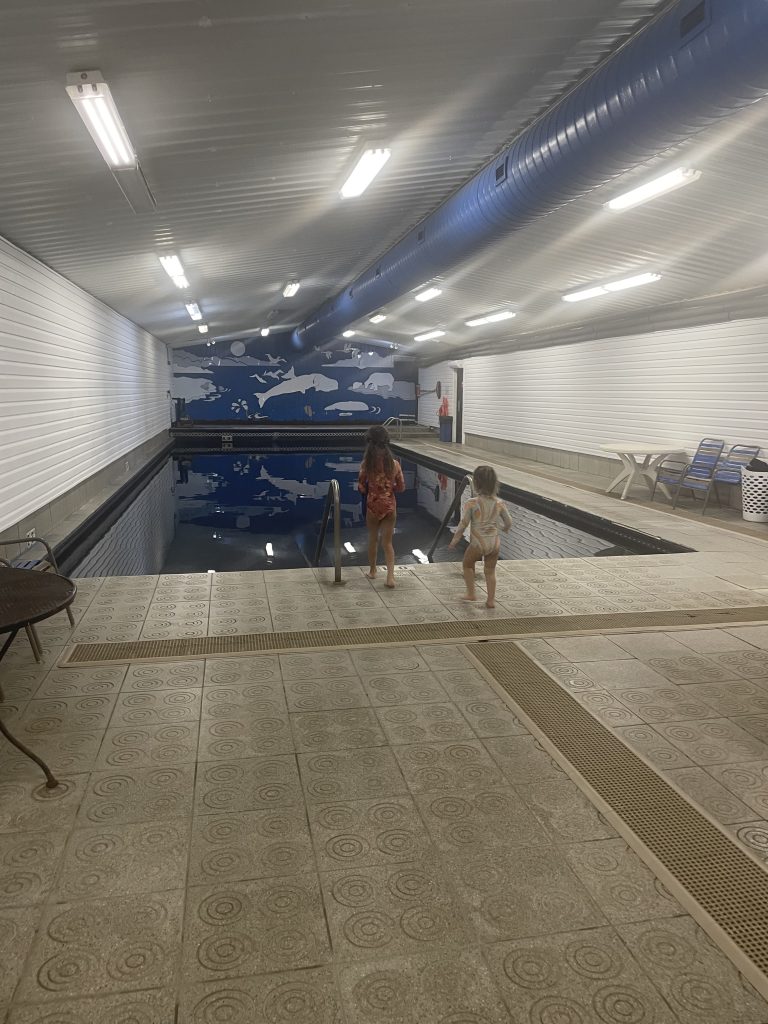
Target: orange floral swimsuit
381, 490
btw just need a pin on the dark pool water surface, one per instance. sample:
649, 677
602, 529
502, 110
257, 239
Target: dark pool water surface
261, 510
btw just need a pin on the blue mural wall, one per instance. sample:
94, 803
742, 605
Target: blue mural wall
268, 379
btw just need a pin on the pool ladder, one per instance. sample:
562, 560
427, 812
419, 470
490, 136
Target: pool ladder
455, 504
333, 501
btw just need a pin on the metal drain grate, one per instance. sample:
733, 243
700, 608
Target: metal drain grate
260, 643
730, 887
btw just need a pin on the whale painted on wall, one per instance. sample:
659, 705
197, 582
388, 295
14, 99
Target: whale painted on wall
291, 385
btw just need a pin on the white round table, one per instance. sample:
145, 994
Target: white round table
632, 471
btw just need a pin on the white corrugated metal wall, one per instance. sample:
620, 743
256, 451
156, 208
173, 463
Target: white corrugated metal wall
429, 404
79, 385
671, 386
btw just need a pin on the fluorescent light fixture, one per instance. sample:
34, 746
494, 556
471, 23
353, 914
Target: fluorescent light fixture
366, 169
420, 556
370, 353
264, 332
173, 268
614, 286
290, 289
93, 101
270, 550
430, 293
349, 547
194, 310
349, 334
429, 336
491, 318
378, 318
670, 182
203, 328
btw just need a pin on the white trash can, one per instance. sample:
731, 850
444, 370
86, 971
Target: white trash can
754, 496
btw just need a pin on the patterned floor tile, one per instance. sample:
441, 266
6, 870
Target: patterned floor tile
565, 811
748, 664
83, 682
67, 753
624, 674
317, 665
695, 978
97, 947
337, 730
28, 805
747, 780
713, 741
247, 735
669, 703
692, 669
303, 997
579, 977
162, 707
184, 675
448, 656
152, 1007
416, 723
654, 748
118, 860
388, 660
148, 746
28, 865
249, 844
364, 833
492, 718
461, 822
523, 760
736, 697
462, 765
709, 641
66, 714
351, 775
702, 789
17, 929
137, 795
250, 784
463, 685
588, 648
395, 910
254, 927
541, 896
264, 698
237, 671
606, 707
753, 835
404, 688
325, 695
755, 725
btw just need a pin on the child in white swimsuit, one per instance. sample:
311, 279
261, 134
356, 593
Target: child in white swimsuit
482, 515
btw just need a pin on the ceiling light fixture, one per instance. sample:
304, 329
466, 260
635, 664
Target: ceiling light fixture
264, 332
203, 328
93, 101
349, 334
670, 182
491, 318
366, 169
194, 310
378, 318
429, 336
430, 293
173, 268
290, 289
614, 286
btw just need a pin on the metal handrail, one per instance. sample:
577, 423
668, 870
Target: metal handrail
333, 500
465, 482
399, 421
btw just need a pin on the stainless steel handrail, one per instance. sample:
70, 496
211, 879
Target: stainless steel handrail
399, 422
465, 482
333, 500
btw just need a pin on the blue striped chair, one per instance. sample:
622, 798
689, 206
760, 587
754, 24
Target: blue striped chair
694, 475
728, 470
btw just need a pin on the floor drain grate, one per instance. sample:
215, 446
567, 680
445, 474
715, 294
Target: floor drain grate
723, 880
260, 643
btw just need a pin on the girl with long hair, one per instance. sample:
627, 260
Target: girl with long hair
380, 479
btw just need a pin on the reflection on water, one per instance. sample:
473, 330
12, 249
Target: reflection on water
254, 510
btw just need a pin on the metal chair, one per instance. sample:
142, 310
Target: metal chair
44, 563
728, 470
694, 475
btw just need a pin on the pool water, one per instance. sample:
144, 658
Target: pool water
259, 510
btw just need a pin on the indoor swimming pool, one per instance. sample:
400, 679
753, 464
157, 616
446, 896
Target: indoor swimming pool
253, 510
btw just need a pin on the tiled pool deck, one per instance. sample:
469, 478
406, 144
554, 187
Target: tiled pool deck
373, 835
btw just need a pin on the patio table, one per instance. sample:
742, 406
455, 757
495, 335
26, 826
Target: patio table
632, 471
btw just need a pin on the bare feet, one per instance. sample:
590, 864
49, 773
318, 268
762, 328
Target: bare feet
391, 582
371, 575
490, 604
469, 597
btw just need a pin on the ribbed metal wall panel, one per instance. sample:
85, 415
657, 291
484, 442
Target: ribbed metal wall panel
429, 404
79, 385
672, 386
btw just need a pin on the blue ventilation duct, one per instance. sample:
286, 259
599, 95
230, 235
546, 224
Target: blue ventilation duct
696, 63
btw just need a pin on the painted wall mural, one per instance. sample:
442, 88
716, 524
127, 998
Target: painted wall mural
268, 379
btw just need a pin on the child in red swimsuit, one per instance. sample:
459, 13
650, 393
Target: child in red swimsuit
380, 478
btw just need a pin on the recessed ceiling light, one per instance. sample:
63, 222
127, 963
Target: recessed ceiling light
173, 268
430, 293
264, 332
614, 286
670, 182
491, 318
290, 289
93, 101
203, 328
366, 169
194, 310
429, 336
378, 318
349, 334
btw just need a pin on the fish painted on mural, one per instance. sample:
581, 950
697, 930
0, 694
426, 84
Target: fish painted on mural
274, 375
347, 407
274, 360
291, 385
376, 382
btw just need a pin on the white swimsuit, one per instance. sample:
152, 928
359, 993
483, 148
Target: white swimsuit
482, 516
